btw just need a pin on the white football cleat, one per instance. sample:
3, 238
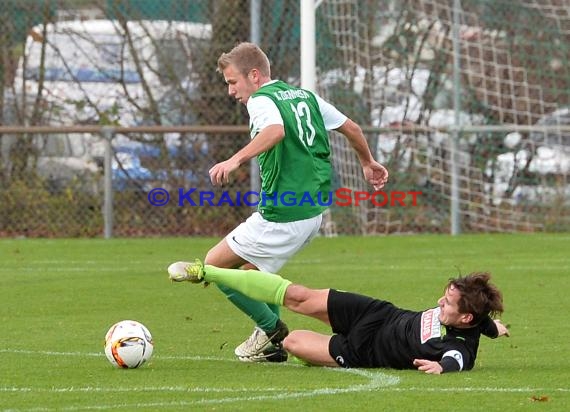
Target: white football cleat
186, 271
260, 341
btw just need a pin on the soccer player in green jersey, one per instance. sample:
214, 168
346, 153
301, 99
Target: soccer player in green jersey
288, 128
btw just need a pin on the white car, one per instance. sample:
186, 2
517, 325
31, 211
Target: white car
536, 169
99, 71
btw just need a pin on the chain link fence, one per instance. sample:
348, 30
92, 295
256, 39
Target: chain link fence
495, 120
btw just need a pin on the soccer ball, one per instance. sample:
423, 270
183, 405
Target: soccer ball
128, 344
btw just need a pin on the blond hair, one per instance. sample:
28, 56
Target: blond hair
245, 57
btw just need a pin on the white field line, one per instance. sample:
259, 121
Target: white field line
376, 381
64, 265
66, 269
184, 389
101, 354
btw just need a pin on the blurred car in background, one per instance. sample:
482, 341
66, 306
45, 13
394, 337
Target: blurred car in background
536, 168
60, 160
108, 73
105, 71
143, 167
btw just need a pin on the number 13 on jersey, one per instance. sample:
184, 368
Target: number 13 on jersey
304, 126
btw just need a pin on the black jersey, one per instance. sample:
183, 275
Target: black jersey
375, 333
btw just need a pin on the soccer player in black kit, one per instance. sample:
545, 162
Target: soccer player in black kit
368, 332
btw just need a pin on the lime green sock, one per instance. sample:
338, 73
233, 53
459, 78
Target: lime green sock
262, 286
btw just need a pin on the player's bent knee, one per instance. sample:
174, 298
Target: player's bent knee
291, 343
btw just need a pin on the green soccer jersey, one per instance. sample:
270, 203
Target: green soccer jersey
296, 172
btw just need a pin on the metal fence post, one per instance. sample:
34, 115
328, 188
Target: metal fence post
108, 133
255, 37
455, 210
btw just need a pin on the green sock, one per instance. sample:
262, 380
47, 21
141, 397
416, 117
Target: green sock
261, 313
262, 286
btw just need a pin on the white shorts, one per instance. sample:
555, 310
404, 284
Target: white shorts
269, 245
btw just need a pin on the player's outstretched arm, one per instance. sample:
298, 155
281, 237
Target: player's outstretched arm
503, 330
427, 366
374, 172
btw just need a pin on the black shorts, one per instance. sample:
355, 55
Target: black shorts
355, 320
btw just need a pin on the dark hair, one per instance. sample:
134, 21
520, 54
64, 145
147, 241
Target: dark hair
245, 57
479, 297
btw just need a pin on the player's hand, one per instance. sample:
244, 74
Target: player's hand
376, 175
428, 366
220, 173
503, 330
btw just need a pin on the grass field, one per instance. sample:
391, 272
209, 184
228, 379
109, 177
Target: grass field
59, 297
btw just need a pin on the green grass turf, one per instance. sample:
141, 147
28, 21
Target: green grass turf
59, 297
